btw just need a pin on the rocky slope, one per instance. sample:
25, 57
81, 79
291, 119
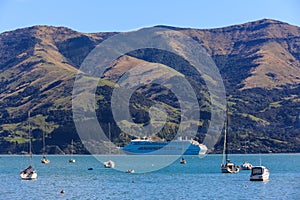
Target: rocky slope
259, 62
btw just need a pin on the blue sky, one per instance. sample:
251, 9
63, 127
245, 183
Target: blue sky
118, 15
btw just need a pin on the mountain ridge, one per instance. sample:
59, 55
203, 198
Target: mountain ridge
259, 62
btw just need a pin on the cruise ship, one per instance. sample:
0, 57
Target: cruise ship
174, 147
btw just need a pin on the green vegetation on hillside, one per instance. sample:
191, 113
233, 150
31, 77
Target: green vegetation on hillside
258, 61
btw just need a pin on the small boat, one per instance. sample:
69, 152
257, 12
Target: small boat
182, 161
109, 164
246, 166
227, 167
72, 160
44, 159
29, 173
259, 173
129, 171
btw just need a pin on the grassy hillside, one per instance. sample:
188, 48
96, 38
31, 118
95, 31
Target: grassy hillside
259, 62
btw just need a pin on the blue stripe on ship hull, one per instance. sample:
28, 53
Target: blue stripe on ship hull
156, 148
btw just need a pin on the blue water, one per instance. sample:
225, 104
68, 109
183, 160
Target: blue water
200, 178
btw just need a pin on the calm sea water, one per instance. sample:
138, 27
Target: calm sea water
200, 178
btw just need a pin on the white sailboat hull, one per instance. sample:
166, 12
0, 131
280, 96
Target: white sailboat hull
45, 161
225, 168
182, 161
109, 164
28, 174
129, 171
246, 166
32, 176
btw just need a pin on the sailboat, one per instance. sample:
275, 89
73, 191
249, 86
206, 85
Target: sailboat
44, 159
110, 163
182, 160
72, 160
129, 171
246, 165
29, 173
227, 166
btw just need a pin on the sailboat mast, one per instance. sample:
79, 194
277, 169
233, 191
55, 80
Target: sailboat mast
109, 135
43, 143
224, 147
72, 147
182, 135
225, 152
226, 132
29, 137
